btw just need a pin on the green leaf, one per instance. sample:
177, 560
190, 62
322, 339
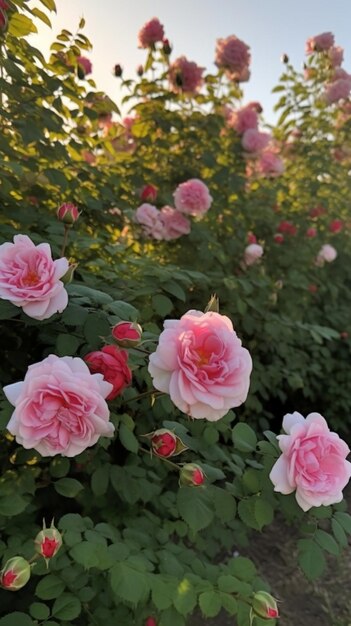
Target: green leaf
210, 603
49, 587
327, 542
128, 439
41, 16
339, 533
93, 295
344, 519
229, 584
185, 597
67, 607
68, 487
129, 583
123, 310
195, 507
243, 568
49, 4
86, 554
96, 328
16, 619
59, 466
20, 25
244, 437
8, 310
67, 345
171, 617
161, 593
224, 504
12, 505
311, 559
99, 480
229, 603
38, 610
162, 305
264, 512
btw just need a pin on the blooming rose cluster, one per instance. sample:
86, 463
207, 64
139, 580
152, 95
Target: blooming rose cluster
319, 43
339, 85
190, 198
313, 461
185, 76
30, 279
233, 56
201, 364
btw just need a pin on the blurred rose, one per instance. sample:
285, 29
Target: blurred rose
319, 43
185, 76
150, 33
192, 197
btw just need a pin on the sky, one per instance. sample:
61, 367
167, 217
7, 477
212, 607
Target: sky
269, 27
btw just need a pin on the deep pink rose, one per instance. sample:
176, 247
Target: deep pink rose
255, 141
253, 253
150, 220
30, 279
192, 197
336, 226
233, 55
270, 164
60, 407
201, 364
319, 43
185, 76
312, 462
150, 33
127, 334
111, 362
243, 119
84, 67
174, 223
337, 90
148, 193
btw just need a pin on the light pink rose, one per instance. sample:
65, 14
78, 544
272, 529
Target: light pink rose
175, 224
185, 76
336, 55
150, 220
150, 33
319, 43
233, 55
339, 72
270, 164
337, 90
192, 197
326, 254
253, 253
312, 462
30, 279
60, 407
201, 364
255, 141
243, 119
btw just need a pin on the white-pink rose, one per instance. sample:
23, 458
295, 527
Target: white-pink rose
313, 461
327, 254
337, 90
319, 43
243, 119
201, 364
149, 217
270, 164
175, 224
60, 407
255, 141
233, 55
253, 253
336, 55
30, 279
192, 197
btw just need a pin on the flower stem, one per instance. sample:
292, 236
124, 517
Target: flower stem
162, 458
65, 239
145, 395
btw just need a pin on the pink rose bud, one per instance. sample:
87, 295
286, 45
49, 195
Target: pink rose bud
15, 574
118, 70
148, 193
127, 334
191, 475
166, 47
278, 238
48, 541
150, 621
68, 213
164, 442
251, 238
311, 232
264, 605
336, 226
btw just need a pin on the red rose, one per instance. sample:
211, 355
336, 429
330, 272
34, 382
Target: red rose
112, 364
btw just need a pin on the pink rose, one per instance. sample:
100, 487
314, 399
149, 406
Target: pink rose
185, 76
150, 219
60, 407
30, 279
174, 223
192, 197
255, 141
201, 364
327, 254
111, 362
336, 56
233, 55
84, 67
319, 43
148, 193
270, 164
312, 462
252, 253
243, 119
311, 232
336, 226
150, 33
337, 90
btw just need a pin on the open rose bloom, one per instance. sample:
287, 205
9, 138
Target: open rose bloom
29, 278
201, 364
60, 407
313, 461
192, 197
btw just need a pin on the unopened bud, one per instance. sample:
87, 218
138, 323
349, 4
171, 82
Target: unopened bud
167, 48
68, 213
264, 605
165, 443
150, 621
213, 304
148, 193
68, 277
191, 475
127, 334
48, 541
118, 70
15, 574
284, 58
140, 70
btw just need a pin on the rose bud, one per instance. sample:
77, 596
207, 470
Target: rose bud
15, 574
284, 58
166, 47
278, 238
311, 232
48, 542
251, 238
68, 213
127, 334
191, 475
264, 605
84, 67
150, 621
118, 70
163, 442
336, 226
148, 193
140, 70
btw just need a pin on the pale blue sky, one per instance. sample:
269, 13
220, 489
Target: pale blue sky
269, 27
